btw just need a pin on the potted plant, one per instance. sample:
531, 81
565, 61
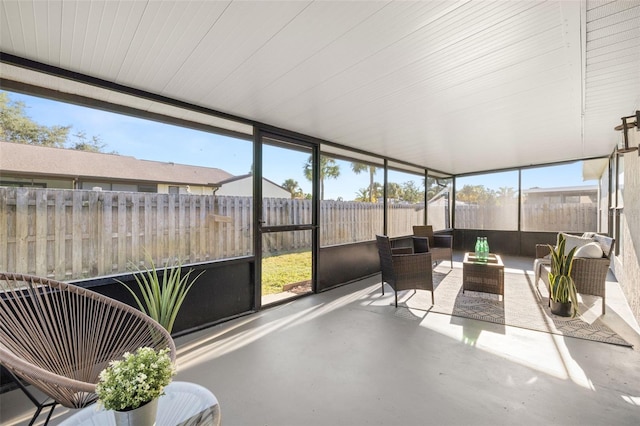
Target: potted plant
162, 297
562, 290
131, 386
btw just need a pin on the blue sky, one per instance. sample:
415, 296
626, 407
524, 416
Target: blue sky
150, 140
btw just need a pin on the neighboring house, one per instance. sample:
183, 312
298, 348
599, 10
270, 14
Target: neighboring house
45, 167
563, 195
242, 186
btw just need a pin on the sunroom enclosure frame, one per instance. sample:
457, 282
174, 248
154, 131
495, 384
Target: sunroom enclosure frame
230, 288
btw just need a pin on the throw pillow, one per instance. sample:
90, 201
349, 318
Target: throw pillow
590, 250
573, 241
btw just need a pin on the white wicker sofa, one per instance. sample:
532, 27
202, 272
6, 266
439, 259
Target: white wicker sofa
588, 273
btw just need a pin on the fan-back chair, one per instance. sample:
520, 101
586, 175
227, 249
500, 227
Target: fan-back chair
411, 271
440, 246
59, 337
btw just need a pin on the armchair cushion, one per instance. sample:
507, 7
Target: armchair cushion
590, 250
420, 244
573, 241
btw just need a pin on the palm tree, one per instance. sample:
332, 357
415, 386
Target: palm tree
505, 195
328, 169
362, 195
394, 191
506, 192
292, 186
361, 167
377, 192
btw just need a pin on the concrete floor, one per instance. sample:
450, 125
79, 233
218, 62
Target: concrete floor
347, 357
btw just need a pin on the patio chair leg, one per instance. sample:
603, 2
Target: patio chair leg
39, 405
603, 305
433, 299
39, 410
383, 288
396, 298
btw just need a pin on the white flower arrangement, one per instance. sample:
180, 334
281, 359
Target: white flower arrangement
135, 380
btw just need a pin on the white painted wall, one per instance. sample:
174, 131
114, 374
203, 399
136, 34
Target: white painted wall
244, 188
630, 228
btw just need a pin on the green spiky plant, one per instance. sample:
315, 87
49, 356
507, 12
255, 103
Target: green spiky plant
562, 288
162, 297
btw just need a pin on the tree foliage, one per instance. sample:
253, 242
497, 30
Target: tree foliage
479, 194
293, 187
411, 193
362, 194
394, 191
329, 169
361, 167
474, 194
370, 194
16, 126
435, 186
82, 143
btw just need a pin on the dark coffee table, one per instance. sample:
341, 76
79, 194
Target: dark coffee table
483, 275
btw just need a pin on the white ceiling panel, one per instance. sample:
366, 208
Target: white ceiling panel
459, 86
293, 45
331, 66
612, 83
241, 32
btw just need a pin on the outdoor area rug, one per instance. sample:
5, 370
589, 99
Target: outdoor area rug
524, 305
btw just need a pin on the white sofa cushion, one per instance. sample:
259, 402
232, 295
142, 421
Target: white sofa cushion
573, 241
590, 250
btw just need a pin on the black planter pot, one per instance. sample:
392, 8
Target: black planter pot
561, 309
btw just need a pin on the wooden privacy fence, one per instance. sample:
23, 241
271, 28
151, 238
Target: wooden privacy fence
76, 234
402, 217
486, 217
577, 217
349, 221
285, 211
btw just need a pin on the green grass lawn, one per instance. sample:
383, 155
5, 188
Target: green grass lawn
285, 269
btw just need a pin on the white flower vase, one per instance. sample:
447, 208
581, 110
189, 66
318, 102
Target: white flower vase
145, 415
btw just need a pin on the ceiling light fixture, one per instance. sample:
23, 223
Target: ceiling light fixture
625, 126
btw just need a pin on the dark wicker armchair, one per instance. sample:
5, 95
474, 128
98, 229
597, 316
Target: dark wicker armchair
440, 246
59, 337
411, 271
589, 274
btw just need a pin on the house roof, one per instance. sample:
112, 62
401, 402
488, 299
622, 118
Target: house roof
248, 176
30, 160
235, 178
586, 189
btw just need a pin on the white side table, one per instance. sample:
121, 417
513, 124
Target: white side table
183, 404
